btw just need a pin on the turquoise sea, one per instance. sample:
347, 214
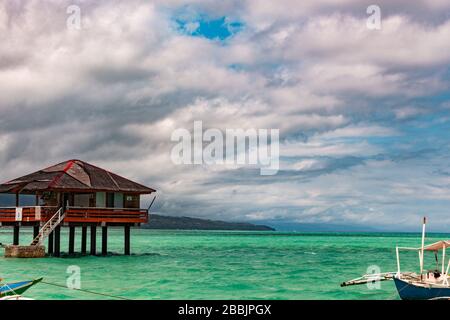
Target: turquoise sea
221, 265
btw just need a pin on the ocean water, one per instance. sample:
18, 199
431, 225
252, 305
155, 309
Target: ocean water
221, 265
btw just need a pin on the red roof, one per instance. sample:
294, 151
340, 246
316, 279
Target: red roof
73, 175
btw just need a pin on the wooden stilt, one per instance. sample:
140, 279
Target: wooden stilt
83, 239
93, 240
127, 240
71, 239
50, 243
104, 240
35, 231
16, 235
57, 232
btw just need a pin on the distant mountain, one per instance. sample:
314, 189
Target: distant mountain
317, 227
187, 223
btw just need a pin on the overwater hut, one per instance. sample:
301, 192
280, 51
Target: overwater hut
72, 194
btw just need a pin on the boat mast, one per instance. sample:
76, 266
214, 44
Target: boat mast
446, 272
443, 258
423, 245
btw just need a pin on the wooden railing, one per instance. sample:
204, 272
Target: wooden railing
29, 214
111, 215
76, 214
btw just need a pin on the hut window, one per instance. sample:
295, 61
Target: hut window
84, 200
118, 200
100, 200
27, 200
131, 201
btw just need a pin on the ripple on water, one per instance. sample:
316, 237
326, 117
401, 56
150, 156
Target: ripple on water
218, 265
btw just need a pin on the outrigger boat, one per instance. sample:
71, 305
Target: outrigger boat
426, 285
16, 288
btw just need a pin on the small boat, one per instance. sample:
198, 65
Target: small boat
425, 285
17, 288
421, 290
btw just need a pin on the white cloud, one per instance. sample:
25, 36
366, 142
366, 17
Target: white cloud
408, 112
359, 130
321, 149
113, 92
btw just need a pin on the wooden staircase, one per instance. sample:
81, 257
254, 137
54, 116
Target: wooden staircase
48, 227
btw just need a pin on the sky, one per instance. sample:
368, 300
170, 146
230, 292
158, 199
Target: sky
363, 113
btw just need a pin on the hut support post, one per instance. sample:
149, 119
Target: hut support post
71, 239
35, 231
104, 240
16, 235
50, 243
83, 239
93, 240
127, 240
57, 231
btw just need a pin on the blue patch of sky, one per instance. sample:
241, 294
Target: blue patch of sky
432, 126
204, 26
236, 67
435, 100
272, 70
423, 132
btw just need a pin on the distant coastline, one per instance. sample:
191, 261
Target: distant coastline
187, 223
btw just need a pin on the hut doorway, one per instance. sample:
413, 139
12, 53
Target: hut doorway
110, 200
65, 201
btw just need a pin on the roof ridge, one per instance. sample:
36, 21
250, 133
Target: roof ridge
59, 176
42, 170
139, 184
109, 174
113, 180
84, 170
66, 161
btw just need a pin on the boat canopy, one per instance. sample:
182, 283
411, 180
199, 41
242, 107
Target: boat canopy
437, 245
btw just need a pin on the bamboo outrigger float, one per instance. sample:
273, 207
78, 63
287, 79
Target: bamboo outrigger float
425, 285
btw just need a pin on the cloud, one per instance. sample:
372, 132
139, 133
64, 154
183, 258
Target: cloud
356, 108
408, 112
314, 149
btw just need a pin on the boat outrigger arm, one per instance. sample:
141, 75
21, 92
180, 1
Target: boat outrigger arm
375, 277
369, 278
